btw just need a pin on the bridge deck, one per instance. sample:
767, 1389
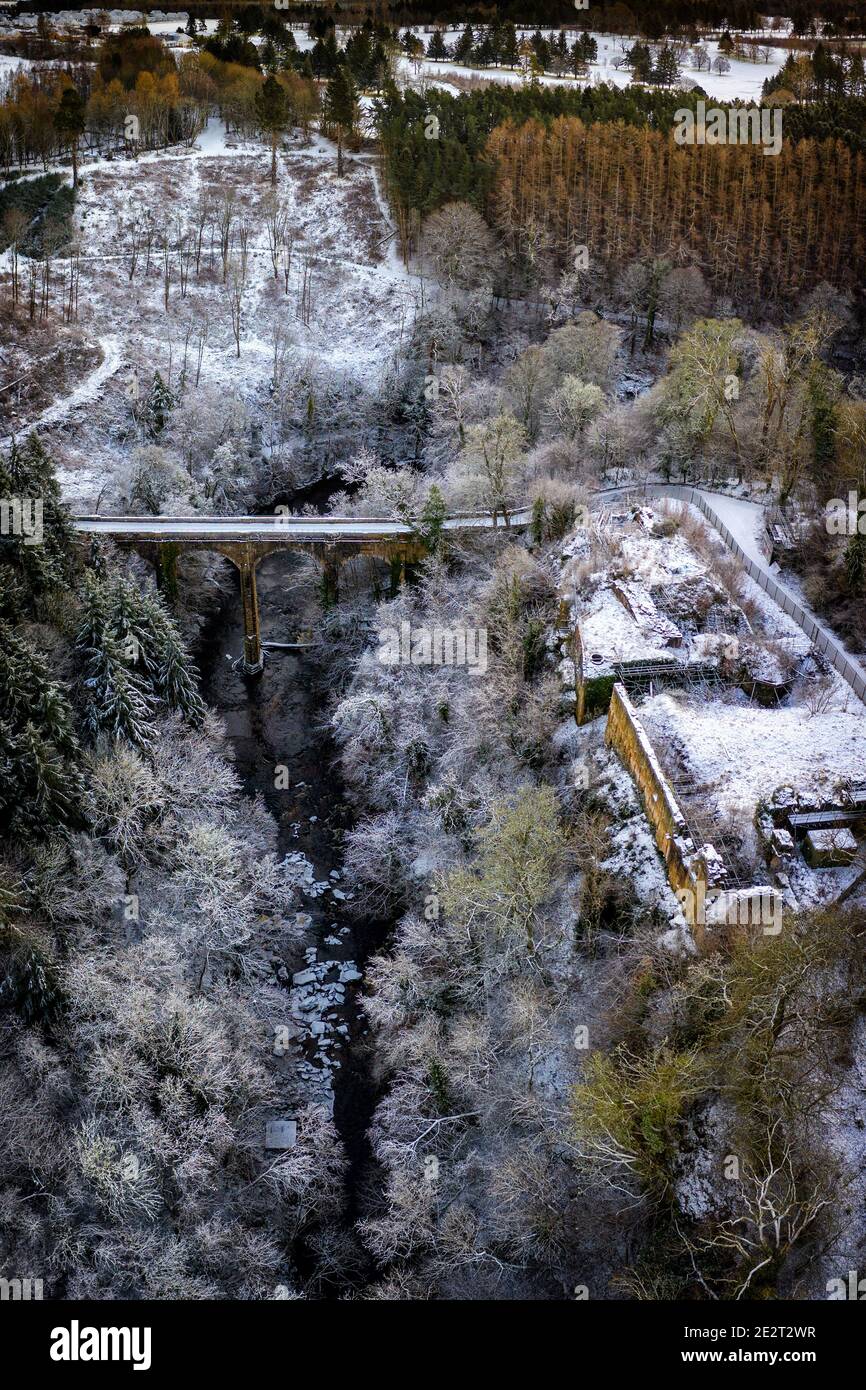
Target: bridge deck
275, 528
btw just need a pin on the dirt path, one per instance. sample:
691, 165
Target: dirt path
88, 390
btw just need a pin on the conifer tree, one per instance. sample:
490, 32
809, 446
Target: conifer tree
541, 49
510, 51
137, 629
341, 109
667, 68
40, 785
115, 699
436, 48
855, 564
464, 46
822, 394
41, 560
641, 62
174, 677
432, 519
158, 405
69, 121
538, 521
272, 112
588, 47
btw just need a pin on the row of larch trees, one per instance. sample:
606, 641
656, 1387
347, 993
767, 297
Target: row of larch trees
764, 227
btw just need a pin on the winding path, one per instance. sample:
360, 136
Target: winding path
86, 391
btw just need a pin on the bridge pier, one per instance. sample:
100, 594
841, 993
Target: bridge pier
397, 567
330, 578
247, 540
166, 571
254, 657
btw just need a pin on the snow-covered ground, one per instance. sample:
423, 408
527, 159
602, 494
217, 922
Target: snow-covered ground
339, 222
362, 300
10, 65
87, 391
743, 83
743, 752
745, 521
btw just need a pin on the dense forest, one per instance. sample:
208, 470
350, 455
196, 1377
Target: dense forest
764, 229
594, 168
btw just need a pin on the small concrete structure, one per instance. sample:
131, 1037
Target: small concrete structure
281, 1134
782, 847
827, 849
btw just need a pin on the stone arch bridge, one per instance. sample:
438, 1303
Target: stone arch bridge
246, 540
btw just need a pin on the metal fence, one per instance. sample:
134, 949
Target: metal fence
822, 640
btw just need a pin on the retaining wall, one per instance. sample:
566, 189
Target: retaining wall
695, 872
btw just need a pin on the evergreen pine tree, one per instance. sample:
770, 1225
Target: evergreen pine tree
33, 567
465, 45
436, 48
115, 700
432, 519
541, 49
269, 56
51, 788
538, 521
126, 621
822, 401
855, 564
496, 39
272, 112
69, 121
175, 676
341, 109
157, 407
510, 52
319, 58
28, 692
485, 53
40, 785
641, 62
667, 69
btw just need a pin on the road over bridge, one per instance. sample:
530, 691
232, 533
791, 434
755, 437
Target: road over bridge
246, 540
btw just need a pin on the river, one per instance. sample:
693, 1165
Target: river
275, 721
